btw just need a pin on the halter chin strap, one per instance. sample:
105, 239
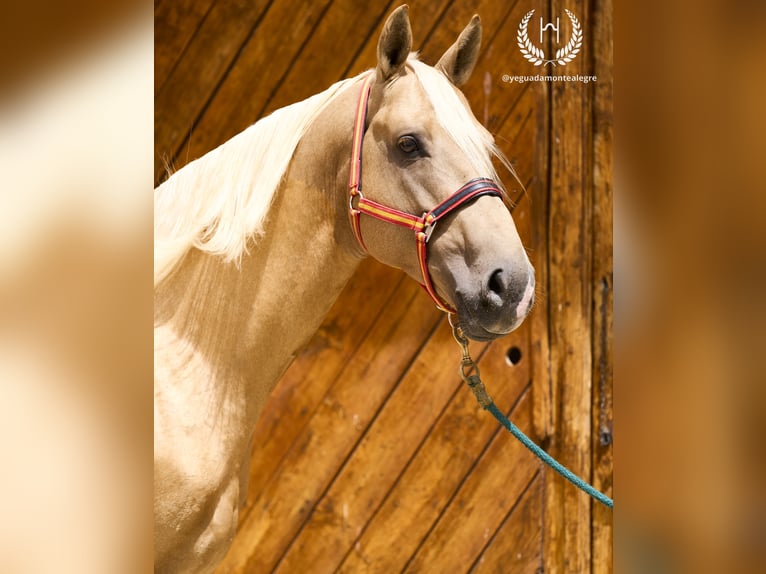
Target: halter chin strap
424, 225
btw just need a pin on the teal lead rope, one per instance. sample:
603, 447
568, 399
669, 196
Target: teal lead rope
548, 459
469, 372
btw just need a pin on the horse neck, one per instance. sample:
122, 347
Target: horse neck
247, 323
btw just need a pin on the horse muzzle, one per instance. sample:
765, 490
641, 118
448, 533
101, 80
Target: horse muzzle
498, 305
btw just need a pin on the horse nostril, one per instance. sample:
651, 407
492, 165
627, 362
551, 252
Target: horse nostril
496, 282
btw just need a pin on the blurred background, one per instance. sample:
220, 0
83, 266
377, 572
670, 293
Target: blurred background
689, 253
78, 163
75, 287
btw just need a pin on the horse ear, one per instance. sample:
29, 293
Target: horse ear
395, 43
458, 61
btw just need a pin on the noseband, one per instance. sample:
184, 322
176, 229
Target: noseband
424, 225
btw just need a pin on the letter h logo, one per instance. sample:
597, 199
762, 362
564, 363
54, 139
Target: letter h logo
549, 25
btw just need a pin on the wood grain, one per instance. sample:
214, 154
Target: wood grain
517, 545
427, 485
191, 83
309, 74
175, 25
602, 283
486, 497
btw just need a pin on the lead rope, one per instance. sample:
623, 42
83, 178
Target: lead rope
469, 372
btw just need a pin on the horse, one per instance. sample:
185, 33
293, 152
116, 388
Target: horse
255, 240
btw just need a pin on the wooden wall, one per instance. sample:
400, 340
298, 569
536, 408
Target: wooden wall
371, 456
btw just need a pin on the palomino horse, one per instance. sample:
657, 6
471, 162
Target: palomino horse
255, 240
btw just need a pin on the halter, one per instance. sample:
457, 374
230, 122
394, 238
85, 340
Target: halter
424, 225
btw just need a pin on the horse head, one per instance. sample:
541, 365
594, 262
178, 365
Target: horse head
420, 144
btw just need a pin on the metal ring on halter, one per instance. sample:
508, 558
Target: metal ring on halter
355, 194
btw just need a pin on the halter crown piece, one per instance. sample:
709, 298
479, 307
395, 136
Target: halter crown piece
424, 225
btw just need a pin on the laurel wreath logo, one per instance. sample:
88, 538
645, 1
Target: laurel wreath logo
572, 48
536, 55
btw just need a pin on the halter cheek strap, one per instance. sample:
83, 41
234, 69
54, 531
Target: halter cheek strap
423, 225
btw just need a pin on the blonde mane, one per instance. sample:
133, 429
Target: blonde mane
219, 202
454, 115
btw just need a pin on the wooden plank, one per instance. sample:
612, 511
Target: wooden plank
519, 115
542, 410
305, 383
454, 19
567, 516
175, 24
539, 191
192, 82
602, 282
447, 455
263, 60
336, 427
484, 500
516, 137
377, 462
347, 22
517, 546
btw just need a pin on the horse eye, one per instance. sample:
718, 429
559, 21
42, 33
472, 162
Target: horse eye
408, 144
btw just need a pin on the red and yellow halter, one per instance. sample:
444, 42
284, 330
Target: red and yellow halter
423, 226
